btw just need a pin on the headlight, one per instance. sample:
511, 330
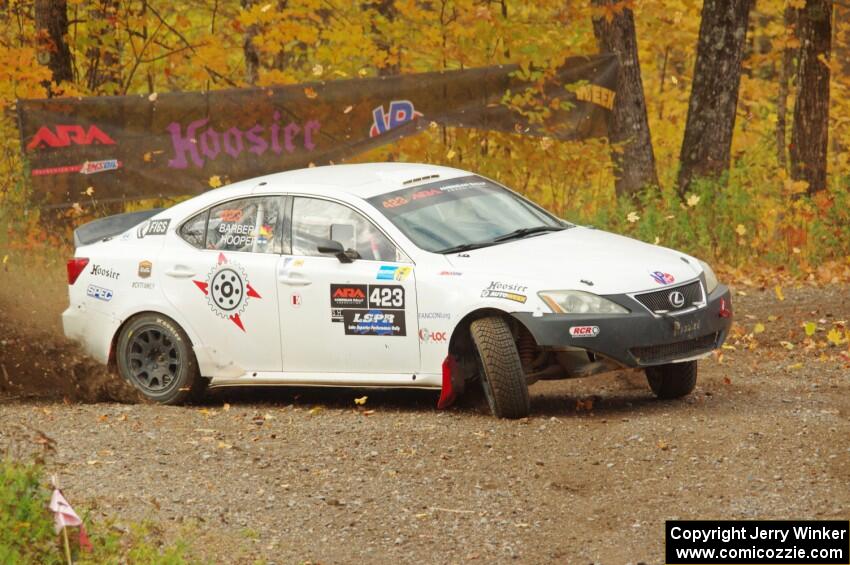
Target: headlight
710, 278
579, 302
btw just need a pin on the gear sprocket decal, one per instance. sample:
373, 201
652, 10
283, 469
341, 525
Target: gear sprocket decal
227, 290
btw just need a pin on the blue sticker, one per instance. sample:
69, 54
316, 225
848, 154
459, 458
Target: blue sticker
99, 292
386, 273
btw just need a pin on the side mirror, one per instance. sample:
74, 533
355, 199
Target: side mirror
334, 247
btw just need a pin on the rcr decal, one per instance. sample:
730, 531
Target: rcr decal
427, 336
393, 273
506, 291
99, 293
145, 269
662, 278
99, 271
584, 331
153, 227
227, 290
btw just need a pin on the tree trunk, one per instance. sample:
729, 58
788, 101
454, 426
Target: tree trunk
810, 136
634, 162
51, 21
786, 71
714, 93
252, 56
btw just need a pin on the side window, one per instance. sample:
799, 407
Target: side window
315, 221
194, 229
247, 224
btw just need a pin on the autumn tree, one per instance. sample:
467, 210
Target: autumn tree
631, 144
714, 94
103, 74
810, 134
786, 70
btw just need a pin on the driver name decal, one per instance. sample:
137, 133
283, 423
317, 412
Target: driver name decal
375, 309
227, 290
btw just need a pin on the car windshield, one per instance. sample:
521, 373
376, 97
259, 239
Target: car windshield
463, 213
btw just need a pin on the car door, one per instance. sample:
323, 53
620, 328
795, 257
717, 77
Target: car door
345, 317
222, 278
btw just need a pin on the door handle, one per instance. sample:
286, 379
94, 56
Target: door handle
294, 281
180, 272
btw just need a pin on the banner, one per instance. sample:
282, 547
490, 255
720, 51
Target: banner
143, 146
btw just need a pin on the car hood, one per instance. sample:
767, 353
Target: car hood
565, 259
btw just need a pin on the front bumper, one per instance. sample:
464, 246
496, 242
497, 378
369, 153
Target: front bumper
639, 338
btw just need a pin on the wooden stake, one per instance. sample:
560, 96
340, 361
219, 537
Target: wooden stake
67, 545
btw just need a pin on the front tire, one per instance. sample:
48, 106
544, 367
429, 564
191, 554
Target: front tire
673, 380
502, 377
155, 355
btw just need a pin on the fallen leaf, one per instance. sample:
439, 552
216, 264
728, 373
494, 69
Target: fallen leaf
693, 200
361, 401
778, 290
795, 366
727, 381
835, 337
348, 109
741, 230
810, 328
315, 410
215, 181
787, 345
451, 154
310, 93
226, 407
772, 318
759, 328
318, 69
633, 217
153, 96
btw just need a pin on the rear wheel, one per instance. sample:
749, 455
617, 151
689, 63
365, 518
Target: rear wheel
673, 380
154, 354
502, 377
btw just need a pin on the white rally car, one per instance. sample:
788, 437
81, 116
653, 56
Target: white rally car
383, 275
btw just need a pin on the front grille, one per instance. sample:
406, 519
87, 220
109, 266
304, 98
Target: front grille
658, 301
670, 351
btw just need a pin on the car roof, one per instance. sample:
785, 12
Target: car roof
361, 180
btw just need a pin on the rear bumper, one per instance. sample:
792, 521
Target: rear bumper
640, 338
92, 329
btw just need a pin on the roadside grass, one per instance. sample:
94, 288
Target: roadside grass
27, 534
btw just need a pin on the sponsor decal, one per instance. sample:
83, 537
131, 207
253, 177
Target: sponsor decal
427, 336
662, 278
145, 268
227, 290
143, 285
99, 271
369, 309
152, 227
295, 300
374, 322
91, 167
676, 299
399, 112
234, 215
99, 293
393, 273
66, 135
435, 316
506, 291
86, 168
584, 331
348, 295
201, 142
450, 273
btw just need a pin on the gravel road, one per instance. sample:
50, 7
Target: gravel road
300, 475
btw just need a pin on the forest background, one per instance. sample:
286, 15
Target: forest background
729, 136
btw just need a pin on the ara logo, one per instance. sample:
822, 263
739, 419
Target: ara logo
348, 295
400, 112
66, 135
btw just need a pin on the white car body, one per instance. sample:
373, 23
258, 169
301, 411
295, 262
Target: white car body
287, 328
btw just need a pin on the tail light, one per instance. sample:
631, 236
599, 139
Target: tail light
75, 268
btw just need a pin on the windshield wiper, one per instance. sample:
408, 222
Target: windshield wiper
465, 247
522, 232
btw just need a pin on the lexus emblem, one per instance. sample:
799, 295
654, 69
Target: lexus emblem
676, 298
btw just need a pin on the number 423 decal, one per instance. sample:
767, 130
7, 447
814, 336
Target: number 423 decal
386, 297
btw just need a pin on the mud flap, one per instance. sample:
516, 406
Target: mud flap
447, 393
